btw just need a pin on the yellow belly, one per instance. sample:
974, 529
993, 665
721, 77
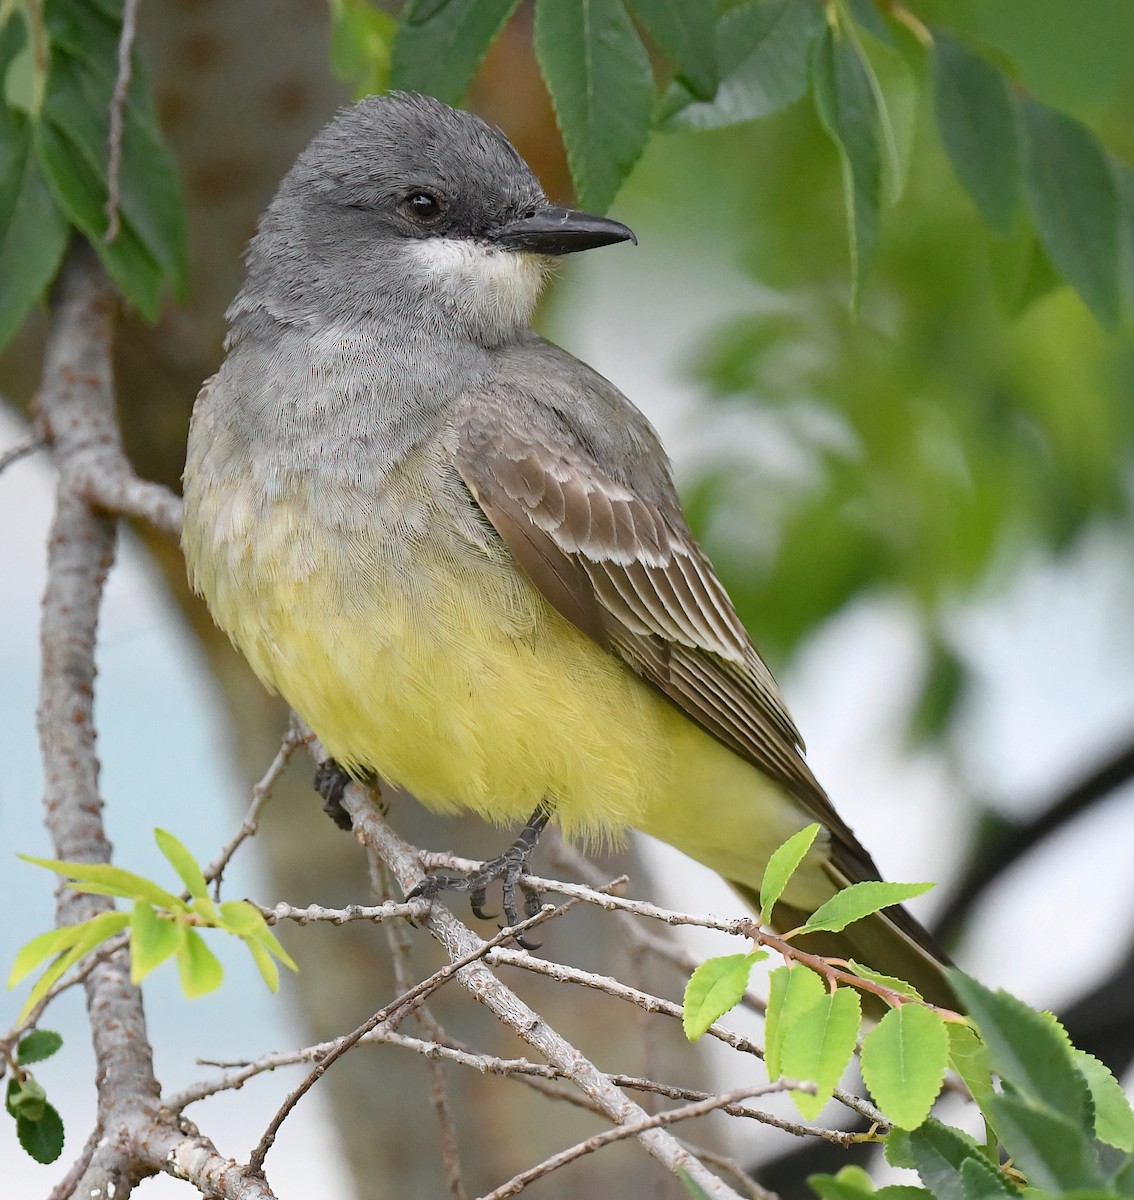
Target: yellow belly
453, 677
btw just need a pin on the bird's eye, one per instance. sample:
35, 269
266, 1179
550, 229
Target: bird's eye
423, 206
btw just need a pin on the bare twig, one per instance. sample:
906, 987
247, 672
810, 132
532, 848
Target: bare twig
117, 118
530, 1026
424, 988
261, 794
687, 1112
28, 445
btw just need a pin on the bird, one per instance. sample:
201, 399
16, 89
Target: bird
458, 552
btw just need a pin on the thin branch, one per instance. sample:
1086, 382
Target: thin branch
687, 1112
424, 988
261, 794
117, 118
529, 1025
28, 445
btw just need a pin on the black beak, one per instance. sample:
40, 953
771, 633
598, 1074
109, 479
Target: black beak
555, 230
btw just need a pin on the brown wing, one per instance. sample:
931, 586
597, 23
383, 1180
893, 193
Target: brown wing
630, 575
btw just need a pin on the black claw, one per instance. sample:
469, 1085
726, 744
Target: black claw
331, 782
510, 868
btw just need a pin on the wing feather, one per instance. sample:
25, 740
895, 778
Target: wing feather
627, 571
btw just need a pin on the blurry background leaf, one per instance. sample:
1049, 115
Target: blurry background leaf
440, 43
684, 31
602, 86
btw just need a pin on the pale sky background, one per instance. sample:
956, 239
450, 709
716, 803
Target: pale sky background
1057, 665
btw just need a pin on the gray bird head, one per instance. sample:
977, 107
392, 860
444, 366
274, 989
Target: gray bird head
405, 211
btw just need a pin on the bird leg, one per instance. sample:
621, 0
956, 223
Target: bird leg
510, 868
331, 782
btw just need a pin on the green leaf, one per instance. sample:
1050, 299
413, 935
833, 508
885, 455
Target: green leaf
42, 1139
242, 918
361, 39
602, 86
817, 1046
982, 1181
110, 880
1028, 1050
851, 1183
265, 964
1073, 196
1114, 1119
183, 863
858, 901
903, 1063
781, 867
762, 48
200, 968
38, 1045
716, 986
33, 233
42, 947
791, 992
976, 115
25, 1098
895, 94
1054, 1152
89, 935
153, 939
848, 111
938, 1152
969, 1059
684, 31
888, 981
439, 44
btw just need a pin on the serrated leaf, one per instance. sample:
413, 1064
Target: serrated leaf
362, 38
602, 87
969, 1059
200, 969
37, 1046
439, 44
858, 901
818, 1045
33, 232
782, 866
1029, 1051
684, 31
937, 1152
976, 115
903, 1063
887, 981
762, 48
183, 863
110, 880
791, 992
1114, 1119
1073, 197
42, 1139
153, 939
848, 111
1052, 1151
714, 988
982, 1181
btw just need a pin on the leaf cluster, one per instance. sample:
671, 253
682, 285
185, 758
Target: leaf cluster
160, 926
1057, 1122
39, 1126
62, 171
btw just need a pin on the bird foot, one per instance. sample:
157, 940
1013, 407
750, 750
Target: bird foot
331, 782
509, 867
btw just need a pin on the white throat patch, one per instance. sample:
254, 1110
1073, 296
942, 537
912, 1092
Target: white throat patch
492, 289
